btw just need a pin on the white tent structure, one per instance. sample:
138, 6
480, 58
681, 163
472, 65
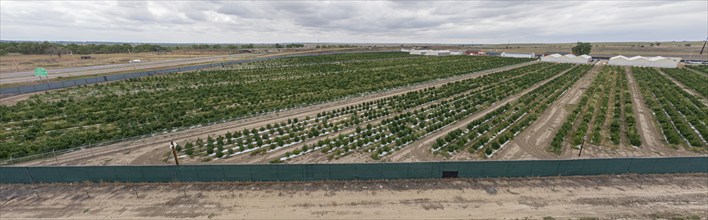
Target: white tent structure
518, 55
658, 61
417, 52
568, 58
431, 52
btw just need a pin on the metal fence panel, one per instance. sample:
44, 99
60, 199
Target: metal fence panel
46, 174
305, 172
236, 174
15, 175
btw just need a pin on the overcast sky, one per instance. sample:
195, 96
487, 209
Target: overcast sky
355, 22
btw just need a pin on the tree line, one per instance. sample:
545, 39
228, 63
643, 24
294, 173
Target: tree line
58, 49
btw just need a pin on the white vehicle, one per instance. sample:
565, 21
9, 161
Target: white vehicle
136, 61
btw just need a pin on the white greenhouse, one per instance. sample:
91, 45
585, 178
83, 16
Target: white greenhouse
568, 58
430, 52
518, 55
659, 61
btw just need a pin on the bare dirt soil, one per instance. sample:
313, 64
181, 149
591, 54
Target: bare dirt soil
150, 150
605, 197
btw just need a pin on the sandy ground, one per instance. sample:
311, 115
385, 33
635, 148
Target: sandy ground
150, 150
605, 197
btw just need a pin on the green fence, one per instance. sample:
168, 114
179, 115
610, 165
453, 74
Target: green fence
363, 171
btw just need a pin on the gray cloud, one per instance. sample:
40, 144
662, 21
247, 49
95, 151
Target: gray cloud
344, 21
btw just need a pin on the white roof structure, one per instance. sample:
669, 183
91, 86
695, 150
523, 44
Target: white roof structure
658, 61
568, 58
430, 52
518, 55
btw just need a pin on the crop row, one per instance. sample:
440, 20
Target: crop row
696, 81
701, 68
391, 134
495, 129
681, 116
294, 132
104, 112
604, 112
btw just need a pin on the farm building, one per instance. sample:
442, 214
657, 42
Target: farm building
659, 61
518, 55
405, 50
568, 58
417, 52
491, 53
475, 53
430, 52
456, 53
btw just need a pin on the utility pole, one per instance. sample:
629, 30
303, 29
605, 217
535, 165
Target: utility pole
174, 152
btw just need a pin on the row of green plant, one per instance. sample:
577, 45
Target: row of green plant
701, 68
104, 112
696, 81
292, 132
681, 116
494, 130
394, 133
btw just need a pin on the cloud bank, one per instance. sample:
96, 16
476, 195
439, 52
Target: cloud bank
354, 22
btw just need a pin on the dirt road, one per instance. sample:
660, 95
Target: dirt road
605, 197
150, 150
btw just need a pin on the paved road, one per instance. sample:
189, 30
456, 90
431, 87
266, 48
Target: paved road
28, 76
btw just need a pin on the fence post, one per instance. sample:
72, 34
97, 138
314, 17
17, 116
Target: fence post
631, 160
30, 174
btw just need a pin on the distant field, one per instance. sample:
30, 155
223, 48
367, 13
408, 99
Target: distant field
17, 63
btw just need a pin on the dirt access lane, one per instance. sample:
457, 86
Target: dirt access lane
150, 150
605, 197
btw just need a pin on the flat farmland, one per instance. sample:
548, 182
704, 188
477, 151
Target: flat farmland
376, 107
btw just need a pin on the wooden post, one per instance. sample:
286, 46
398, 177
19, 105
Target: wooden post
174, 152
55, 157
36, 193
87, 194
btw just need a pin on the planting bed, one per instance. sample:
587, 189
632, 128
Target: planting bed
603, 116
98, 113
680, 115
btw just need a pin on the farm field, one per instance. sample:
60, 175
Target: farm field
680, 115
104, 112
505, 109
603, 197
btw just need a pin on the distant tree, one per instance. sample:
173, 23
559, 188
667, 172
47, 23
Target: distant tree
582, 48
651, 44
688, 45
658, 44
